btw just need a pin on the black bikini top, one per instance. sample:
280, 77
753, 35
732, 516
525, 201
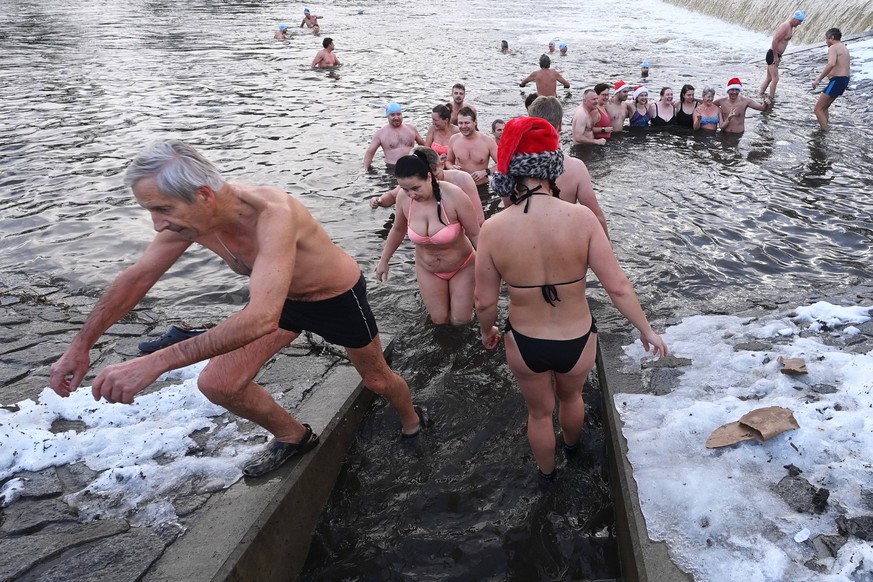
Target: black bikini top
550, 291
518, 199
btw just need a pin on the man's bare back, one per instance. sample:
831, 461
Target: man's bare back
546, 81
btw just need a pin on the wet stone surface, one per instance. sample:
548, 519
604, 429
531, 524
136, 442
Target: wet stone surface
41, 536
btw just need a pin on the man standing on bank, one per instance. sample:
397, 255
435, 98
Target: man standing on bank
299, 280
774, 55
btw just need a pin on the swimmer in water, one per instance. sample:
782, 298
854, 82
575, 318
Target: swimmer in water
395, 139
733, 108
311, 21
440, 131
325, 58
546, 79
282, 33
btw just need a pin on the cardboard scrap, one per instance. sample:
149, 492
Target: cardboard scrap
792, 366
761, 424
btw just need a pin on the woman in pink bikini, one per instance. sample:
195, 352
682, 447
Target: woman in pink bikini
440, 131
439, 219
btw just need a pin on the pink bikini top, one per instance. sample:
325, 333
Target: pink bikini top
439, 149
443, 236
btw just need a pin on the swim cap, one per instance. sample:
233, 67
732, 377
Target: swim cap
800, 15
735, 83
306, 11
529, 147
562, 46
393, 107
621, 86
283, 27
551, 43
640, 90
645, 64
360, 10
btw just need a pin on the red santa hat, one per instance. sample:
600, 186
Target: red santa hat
639, 90
735, 83
619, 85
528, 147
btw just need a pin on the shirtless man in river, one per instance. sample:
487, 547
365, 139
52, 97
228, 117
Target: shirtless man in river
584, 120
459, 93
325, 57
546, 79
310, 20
298, 280
618, 107
733, 108
396, 139
774, 55
470, 150
575, 182
837, 70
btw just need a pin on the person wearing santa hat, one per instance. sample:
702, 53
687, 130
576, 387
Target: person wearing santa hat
733, 107
618, 107
640, 116
542, 248
781, 37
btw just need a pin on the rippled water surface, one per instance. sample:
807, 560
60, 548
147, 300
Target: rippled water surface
695, 220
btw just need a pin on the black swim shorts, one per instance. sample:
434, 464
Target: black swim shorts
345, 320
770, 55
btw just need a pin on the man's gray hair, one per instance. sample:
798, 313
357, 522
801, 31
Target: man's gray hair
178, 169
548, 108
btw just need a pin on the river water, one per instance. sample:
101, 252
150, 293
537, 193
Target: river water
696, 221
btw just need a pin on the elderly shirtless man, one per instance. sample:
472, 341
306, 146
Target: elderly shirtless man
781, 36
546, 79
575, 182
471, 150
298, 280
395, 139
733, 108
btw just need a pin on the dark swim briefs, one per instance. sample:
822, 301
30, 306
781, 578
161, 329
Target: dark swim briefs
544, 355
837, 86
345, 320
770, 57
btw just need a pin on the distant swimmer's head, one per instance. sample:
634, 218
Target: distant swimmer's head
563, 48
360, 10
734, 85
645, 64
799, 16
283, 27
504, 45
545, 62
327, 42
529, 148
306, 11
551, 45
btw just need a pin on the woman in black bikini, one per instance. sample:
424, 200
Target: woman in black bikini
542, 247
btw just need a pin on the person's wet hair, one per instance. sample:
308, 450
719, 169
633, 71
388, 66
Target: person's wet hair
834, 33
177, 168
443, 111
417, 165
545, 62
601, 87
467, 112
548, 108
433, 158
685, 89
530, 99
326, 42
